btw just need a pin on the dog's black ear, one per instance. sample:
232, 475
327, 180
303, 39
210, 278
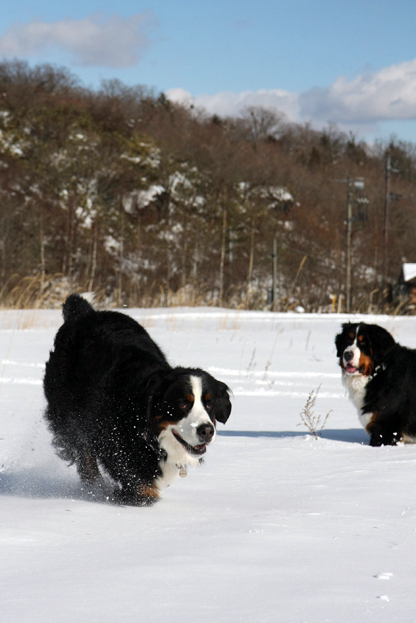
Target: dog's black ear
382, 342
223, 403
153, 389
338, 343
339, 339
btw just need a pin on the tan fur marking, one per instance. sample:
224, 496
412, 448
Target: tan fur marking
190, 397
208, 397
371, 422
148, 491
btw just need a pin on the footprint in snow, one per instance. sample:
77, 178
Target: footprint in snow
385, 575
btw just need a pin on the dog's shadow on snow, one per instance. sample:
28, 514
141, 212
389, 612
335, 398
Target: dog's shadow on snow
30, 483
37, 483
350, 435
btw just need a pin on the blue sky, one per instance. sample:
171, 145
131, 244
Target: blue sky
350, 63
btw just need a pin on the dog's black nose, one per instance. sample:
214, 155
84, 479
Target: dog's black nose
205, 432
348, 356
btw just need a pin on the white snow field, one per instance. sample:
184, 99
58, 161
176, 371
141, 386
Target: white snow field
276, 526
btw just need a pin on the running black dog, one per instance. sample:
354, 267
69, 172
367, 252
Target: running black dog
115, 404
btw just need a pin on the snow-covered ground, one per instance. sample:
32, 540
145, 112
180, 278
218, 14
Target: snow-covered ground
276, 526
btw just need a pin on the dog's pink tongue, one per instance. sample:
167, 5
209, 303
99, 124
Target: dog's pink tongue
350, 368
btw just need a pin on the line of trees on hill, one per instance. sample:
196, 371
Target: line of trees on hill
146, 202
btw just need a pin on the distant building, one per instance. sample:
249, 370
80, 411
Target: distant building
407, 283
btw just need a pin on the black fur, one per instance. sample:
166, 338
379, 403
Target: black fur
110, 392
390, 393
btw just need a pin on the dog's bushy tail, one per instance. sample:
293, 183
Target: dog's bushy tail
75, 307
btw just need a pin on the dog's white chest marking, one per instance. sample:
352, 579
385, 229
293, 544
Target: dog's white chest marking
177, 460
356, 386
356, 383
170, 472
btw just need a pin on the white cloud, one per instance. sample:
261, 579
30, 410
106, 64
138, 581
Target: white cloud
359, 105
389, 94
228, 103
180, 96
93, 41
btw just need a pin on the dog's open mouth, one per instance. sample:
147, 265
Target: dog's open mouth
196, 450
350, 369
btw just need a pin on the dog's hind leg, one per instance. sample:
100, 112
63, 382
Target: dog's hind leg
88, 469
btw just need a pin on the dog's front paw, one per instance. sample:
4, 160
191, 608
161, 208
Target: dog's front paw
382, 439
138, 496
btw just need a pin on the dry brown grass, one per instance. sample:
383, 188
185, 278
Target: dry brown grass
32, 292
313, 422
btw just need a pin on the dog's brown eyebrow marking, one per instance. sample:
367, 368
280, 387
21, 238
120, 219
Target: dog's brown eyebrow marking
208, 397
190, 397
351, 335
360, 338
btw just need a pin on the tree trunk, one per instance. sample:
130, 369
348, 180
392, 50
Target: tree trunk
222, 260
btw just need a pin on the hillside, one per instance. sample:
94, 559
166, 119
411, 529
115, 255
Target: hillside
122, 192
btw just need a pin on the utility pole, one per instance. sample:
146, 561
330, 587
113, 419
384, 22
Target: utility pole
352, 184
349, 239
386, 218
274, 274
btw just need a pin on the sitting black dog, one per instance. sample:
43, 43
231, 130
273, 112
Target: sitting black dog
380, 376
